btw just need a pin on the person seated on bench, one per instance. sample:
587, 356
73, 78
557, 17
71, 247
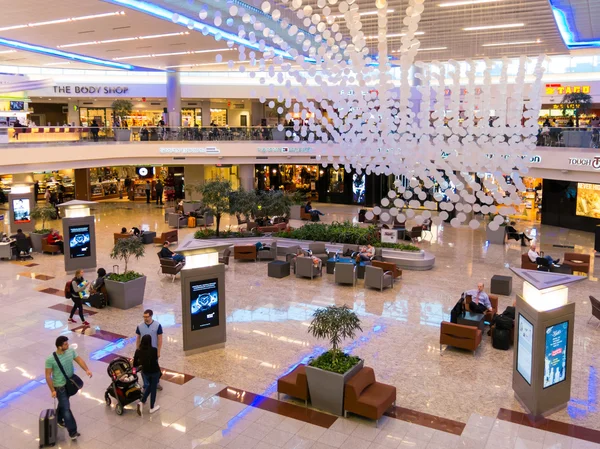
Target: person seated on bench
124, 231
514, 234
309, 210
480, 301
55, 239
534, 254
366, 253
136, 231
166, 253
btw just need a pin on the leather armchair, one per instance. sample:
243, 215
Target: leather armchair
345, 273
319, 250
388, 266
294, 384
460, 336
177, 221
306, 268
375, 277
595, 309
169, 236
119, 236
268, 253
170, 267
304, 215
48, 248
582, 264
527, 264
489, 315
364, 396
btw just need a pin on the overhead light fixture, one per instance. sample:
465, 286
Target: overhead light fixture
502, 44
418, 33
158, 55
123, 39
57, 21
362, 14
495, 27
65, 55
425, 49
466, 2
203, 64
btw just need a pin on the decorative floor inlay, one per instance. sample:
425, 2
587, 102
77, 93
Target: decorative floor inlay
99, 333
549, 425
53, 291
67, 308
37, 276
281, 408
426, 420
24, 263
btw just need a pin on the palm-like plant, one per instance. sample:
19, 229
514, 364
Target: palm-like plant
124, 249
334, 324
584, 103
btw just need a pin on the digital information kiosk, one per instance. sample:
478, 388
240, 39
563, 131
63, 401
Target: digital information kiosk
203, 310
79, 234
543, 355
21, 203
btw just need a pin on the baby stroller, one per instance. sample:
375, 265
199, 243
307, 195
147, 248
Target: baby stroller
124, 386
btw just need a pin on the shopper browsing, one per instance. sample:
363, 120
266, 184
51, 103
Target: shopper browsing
59, 369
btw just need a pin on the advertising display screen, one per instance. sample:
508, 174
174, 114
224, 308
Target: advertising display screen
525, 348
17, 105
555, 358
144, 172
358, 188
204, 307
588, 200
21, 211
79, 241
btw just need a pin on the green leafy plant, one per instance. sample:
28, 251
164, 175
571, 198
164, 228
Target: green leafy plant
122, 108
215, 196
334, 323
124, 277
204, 233
584, 101
124, 249
44, 212
399, 246
243, 202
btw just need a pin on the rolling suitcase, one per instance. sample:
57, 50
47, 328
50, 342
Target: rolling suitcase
48, 427
191, 222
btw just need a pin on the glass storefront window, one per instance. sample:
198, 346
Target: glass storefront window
192, 115
336, 180
299, 177
218, 117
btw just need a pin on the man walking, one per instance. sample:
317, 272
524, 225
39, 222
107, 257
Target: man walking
154, 329
57, 381
159, 192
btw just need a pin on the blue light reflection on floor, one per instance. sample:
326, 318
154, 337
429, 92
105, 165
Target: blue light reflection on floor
111, 348
578, 408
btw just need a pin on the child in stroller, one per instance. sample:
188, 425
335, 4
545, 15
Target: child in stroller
124, 386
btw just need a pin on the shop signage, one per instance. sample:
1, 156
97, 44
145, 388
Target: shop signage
536, 159
586, 162
566, 106
188, 150
552, 89
284, 150
389, 236
107, 90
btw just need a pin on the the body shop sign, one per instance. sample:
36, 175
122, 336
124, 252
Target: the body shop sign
91, 90
593, 162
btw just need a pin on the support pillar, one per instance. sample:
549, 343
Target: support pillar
174, 99
205, 105
247, 177
193, 176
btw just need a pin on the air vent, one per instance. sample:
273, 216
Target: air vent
88, 102
114, 49
178, 43
261, 158
86, 32
154, 104
179, 159
121, 28
192, 104
15, 59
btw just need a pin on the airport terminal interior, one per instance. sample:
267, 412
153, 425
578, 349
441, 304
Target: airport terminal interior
300, 224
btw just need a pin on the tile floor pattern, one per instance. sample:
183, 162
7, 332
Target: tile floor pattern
267, 321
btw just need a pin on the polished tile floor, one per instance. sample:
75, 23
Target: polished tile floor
267, 323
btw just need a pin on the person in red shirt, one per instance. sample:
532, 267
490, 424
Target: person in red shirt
55, 239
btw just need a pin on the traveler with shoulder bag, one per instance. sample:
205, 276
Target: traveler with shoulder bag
63, 383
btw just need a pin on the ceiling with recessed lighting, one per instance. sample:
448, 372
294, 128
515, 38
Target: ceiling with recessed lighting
109, 31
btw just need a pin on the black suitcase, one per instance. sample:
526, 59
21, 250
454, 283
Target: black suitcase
48, 427
97, 300
501, 339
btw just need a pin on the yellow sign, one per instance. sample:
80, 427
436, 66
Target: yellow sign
588, 200
564, 90
566, 106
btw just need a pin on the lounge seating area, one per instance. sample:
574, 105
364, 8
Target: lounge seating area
48, 248
576, 262
460, 336
169, 236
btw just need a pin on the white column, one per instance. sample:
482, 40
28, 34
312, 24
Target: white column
174, 98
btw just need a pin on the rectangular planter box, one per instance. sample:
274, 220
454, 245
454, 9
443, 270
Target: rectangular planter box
122, 135
125, 295
36, 241
326, 389
497, 237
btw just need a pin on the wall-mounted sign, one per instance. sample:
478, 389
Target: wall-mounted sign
566, 106
552, 89
107, 90
586, 162
389, 236
189, 150
284, 150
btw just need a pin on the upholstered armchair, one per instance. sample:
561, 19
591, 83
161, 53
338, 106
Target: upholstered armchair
595, 309
318, 250
460, 336
294, 384
526, 263
489, 315
306, 268
268, 253
364, 396
345, 273
375, 277
225, 258
48, 248
577, 262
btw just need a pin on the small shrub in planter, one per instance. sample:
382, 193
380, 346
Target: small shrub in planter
126, 290
45, 212
124, 249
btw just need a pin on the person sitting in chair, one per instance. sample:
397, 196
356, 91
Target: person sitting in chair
534, 254
480, 301
56, 239
19, 235
366, 253
166, 253
124, 230
309, 210
514, 234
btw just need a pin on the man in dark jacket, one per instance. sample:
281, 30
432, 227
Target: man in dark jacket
159, 192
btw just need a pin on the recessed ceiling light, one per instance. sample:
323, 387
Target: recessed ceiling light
59, 63
495, 27
158, 55
203, 64
418, 33
68, 19
425, 49
466, 2
502, 44
123, 39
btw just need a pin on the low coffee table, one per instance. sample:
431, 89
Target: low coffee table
148, 237
472, 319
563, 269
278, 269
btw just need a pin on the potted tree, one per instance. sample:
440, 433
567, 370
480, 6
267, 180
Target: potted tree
215, 196
328, 373
126, 290
43, 212
582, 103
122, 109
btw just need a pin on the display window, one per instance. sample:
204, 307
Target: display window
218, 117
335, 180
299, 177
191, 117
